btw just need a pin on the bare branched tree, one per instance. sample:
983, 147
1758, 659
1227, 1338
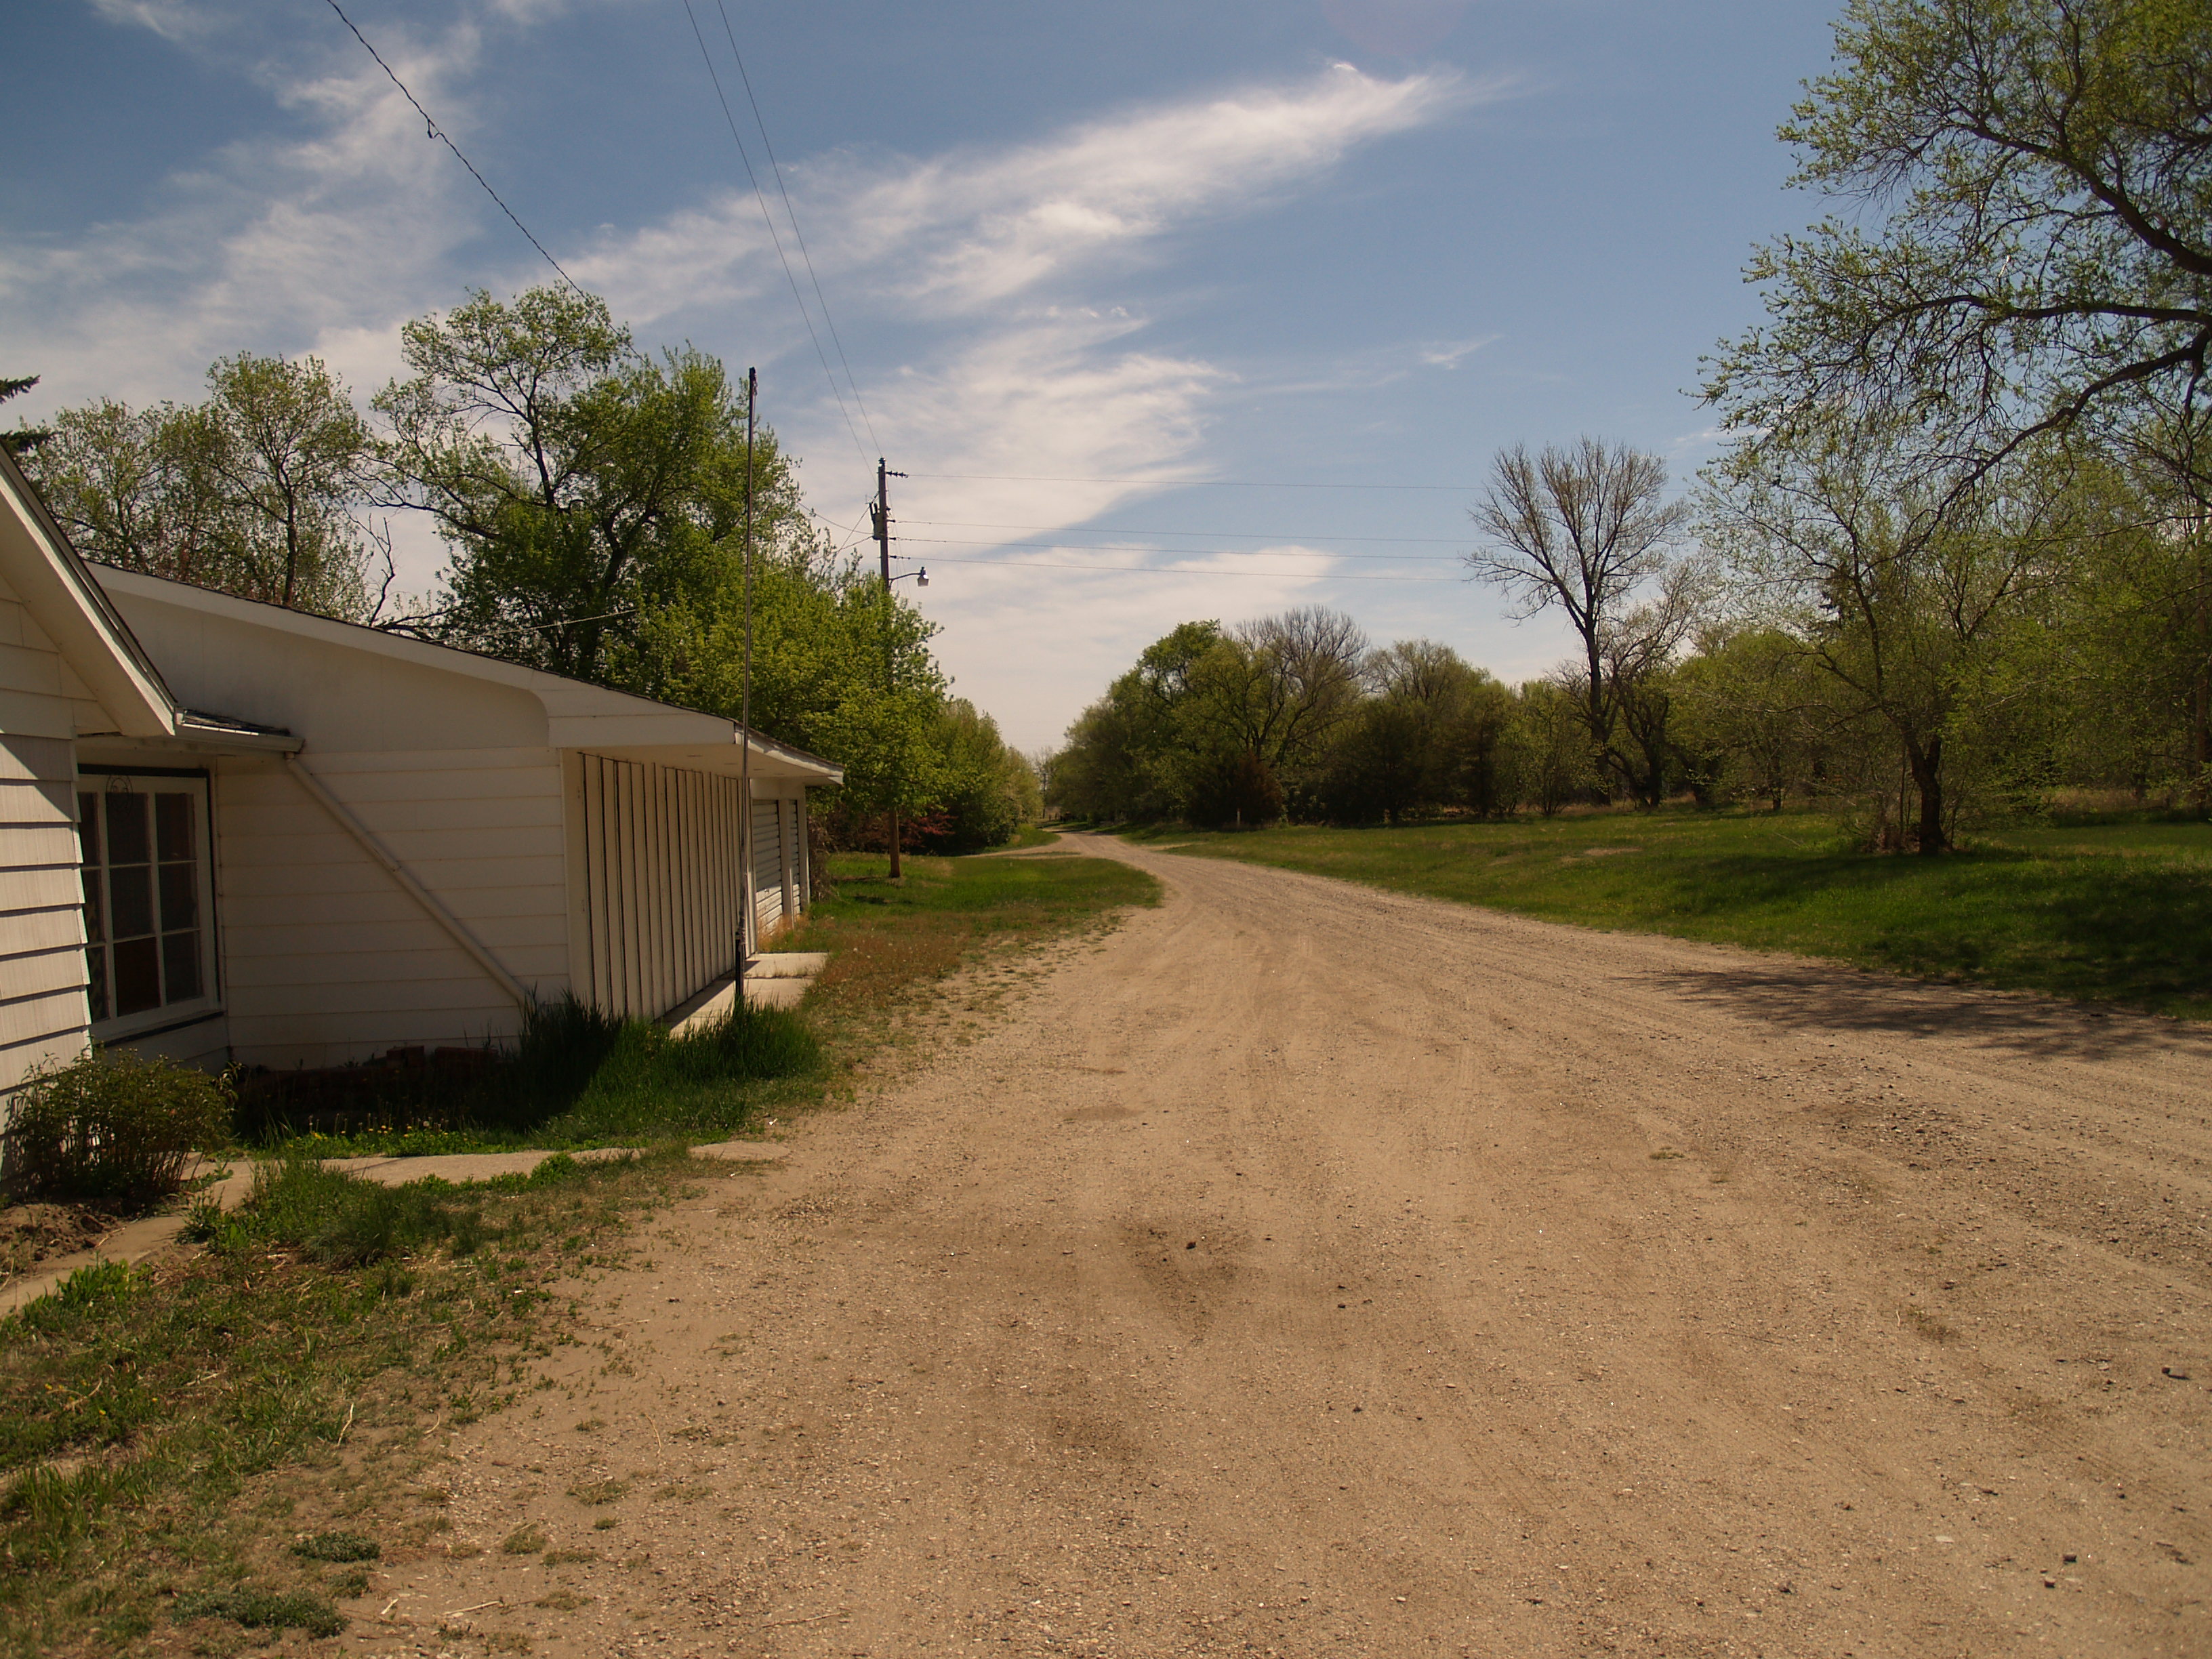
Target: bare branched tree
1584, 529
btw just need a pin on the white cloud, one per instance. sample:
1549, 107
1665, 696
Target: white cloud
1449, 354
967, 232
173, 19
994, 272
271, 245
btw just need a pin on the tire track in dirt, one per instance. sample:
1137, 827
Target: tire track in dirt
1308, 1270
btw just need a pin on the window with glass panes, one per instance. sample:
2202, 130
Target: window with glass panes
146, 890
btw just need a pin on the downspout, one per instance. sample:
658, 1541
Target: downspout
400, 873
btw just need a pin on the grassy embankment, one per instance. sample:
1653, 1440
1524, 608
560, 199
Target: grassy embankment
2118, 909
235, 1448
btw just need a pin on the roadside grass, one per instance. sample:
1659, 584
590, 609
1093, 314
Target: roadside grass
2115, 909
1030, 835
576, 1079
239, 1441
889, 942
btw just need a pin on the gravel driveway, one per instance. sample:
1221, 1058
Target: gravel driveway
1305, 1270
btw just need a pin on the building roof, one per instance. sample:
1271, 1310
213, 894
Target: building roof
51, 579
579, 714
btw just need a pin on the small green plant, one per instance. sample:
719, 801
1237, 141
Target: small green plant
264, 1610
338, 1547
598, 1492
113, 1126
525, 1539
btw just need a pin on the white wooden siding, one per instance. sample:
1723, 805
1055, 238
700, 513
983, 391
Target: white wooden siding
768, 877
327, 959
661, 895
43, 1011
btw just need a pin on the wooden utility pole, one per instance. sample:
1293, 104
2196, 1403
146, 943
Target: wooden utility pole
882, 514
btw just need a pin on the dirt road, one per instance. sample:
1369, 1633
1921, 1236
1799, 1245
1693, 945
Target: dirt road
1304, 1270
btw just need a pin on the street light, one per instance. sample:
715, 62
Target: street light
919, 578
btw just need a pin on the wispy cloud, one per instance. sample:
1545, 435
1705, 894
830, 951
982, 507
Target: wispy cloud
1449, 354
1000, 273
965, 232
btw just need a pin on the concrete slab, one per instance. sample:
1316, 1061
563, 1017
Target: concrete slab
746, 1152
787, 965
458, 1166
781, 989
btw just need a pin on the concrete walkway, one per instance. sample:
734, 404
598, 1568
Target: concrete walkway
135, 1241
778, 980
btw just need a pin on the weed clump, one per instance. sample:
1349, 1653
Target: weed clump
343, 1221
338, 1547
264, 1610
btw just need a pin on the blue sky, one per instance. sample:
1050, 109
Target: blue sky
1315, 242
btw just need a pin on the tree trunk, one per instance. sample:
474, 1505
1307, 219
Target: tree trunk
897, 870
2200, 707
1927, 763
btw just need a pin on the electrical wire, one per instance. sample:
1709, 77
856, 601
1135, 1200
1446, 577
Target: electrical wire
769, 219
1232, 534
435, 131
1186, 552
1156, 570
797, 235
1187, 483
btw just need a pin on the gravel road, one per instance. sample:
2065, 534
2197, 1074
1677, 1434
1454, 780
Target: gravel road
1304, 1270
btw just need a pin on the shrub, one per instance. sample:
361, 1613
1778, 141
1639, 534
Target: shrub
113, 1126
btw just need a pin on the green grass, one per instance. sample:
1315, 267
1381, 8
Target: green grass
200, 1442
1032, 835
2116, 911
885, 939
577, 1080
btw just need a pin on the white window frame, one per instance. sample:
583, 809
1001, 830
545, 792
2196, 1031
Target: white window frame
146, 780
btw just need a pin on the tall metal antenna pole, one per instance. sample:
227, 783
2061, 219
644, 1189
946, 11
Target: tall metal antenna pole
882, 517
748, 920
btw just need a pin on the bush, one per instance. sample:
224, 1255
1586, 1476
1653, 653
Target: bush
113, 1126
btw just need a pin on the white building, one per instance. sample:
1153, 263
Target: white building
239, 832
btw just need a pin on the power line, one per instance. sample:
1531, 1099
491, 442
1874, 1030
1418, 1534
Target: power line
1187, 484
435, 131
797, 235
769, 219
1186, 552
1156, 570
1232, 534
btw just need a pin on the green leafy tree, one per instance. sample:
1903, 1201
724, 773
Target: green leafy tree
989, 789
579, 484
1755, 711
1429, 734
2028, 243
1903, 586
259, 490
